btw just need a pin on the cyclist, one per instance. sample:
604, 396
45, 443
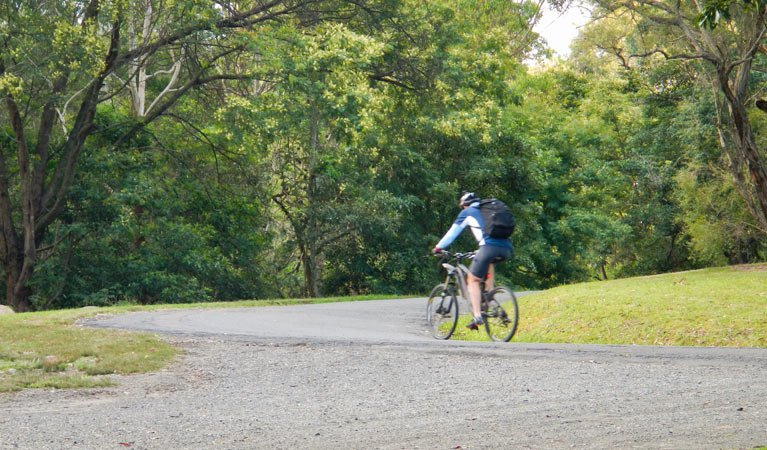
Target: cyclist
491, 250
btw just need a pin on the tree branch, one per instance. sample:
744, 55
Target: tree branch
168, 87
53, 198
28, 209
241, 20
196, 80
386, 79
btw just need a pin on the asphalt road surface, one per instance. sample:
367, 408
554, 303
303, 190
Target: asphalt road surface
366, 375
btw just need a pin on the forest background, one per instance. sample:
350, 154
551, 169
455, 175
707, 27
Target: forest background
168, 151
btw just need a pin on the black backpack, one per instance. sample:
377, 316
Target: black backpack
499, 222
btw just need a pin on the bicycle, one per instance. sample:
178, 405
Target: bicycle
499, 305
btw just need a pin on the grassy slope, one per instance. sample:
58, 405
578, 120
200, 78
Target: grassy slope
711, 307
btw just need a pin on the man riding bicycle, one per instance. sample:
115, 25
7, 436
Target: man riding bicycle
491, 250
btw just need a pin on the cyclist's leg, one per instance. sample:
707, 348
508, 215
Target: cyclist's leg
475, 293
477, 272
490, 282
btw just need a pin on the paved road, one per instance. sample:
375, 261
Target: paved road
367, 375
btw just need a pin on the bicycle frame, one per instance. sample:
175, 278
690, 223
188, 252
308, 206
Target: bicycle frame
456, 274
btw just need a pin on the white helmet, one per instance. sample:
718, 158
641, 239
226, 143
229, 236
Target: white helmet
467, 198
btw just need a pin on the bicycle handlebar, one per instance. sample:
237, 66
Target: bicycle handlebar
446, 254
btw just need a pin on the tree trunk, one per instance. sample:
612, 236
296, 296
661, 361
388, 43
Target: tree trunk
745, 144
17, 292
310, 275
603, 272
756, 169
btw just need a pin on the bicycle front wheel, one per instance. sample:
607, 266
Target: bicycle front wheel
502, 314
442, 312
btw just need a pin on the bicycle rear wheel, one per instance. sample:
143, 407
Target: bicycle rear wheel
442, 312
501, 314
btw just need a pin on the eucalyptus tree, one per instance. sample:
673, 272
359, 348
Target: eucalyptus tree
64, 61
729, 57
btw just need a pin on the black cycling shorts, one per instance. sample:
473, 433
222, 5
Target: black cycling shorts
487, 254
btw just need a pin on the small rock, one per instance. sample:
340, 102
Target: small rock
5, 310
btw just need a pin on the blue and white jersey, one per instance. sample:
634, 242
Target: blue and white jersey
472, 218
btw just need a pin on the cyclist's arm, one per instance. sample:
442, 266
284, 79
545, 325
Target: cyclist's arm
450, 236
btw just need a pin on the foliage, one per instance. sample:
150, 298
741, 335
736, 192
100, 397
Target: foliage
376, 168
305, 127
224, 155
716, 11
716, 222
665, 38
150, 232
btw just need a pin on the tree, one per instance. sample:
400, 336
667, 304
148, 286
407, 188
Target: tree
60, 60
573, 186
305, 129
153, 221
653, 30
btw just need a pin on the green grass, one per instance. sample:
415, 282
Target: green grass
46, 349
722, 307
